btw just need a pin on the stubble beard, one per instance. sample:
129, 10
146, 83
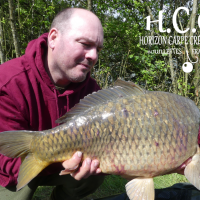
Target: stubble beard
76, 79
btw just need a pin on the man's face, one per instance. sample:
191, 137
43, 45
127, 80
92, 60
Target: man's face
76, 49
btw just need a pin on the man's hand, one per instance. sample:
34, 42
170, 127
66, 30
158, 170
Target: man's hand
180, 169
73, 167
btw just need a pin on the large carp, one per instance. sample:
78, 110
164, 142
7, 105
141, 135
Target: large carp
134, 133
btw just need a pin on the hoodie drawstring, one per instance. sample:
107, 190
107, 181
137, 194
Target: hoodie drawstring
56, 98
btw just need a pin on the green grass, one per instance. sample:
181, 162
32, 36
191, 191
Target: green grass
168, 180
43, 193
115, 185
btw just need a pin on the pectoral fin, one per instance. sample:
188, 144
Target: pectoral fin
192, 170
140, 189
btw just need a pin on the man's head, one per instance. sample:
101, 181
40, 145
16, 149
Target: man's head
75, 37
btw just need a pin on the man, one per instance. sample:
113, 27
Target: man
41, 86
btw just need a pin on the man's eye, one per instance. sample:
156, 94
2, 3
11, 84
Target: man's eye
87, 45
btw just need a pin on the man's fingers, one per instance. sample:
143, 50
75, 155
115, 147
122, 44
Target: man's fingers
83, 171
73, 162
73, 167
89, 167
64, 172
94, 167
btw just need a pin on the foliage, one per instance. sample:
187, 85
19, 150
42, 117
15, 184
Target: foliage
124, 55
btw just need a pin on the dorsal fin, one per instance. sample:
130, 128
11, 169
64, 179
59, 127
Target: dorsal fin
130, 86
120, 89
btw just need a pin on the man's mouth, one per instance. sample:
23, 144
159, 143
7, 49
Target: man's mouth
85, 65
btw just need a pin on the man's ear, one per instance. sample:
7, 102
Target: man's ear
53, 34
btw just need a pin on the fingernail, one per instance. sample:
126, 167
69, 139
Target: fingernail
61, 172
79, 154
96, 163
98, 170
73, 168
88, 161
72, 174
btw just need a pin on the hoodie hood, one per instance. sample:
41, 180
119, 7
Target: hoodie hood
30, 101
35, 54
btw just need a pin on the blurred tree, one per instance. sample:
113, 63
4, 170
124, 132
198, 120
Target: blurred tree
13, 28
153, 66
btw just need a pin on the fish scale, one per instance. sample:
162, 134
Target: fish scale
132, 132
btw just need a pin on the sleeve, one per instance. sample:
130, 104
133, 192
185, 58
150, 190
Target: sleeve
11, 119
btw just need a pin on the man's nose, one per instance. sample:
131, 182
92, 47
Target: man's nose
92, 54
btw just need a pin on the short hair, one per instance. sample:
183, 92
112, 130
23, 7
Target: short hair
61, 20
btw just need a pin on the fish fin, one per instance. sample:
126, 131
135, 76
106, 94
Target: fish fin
29, 169
130, 86
120, 90
140, 188
15, 143
192, 170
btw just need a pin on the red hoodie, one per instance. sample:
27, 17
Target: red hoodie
30, 101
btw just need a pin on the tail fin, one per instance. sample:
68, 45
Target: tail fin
17, 144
